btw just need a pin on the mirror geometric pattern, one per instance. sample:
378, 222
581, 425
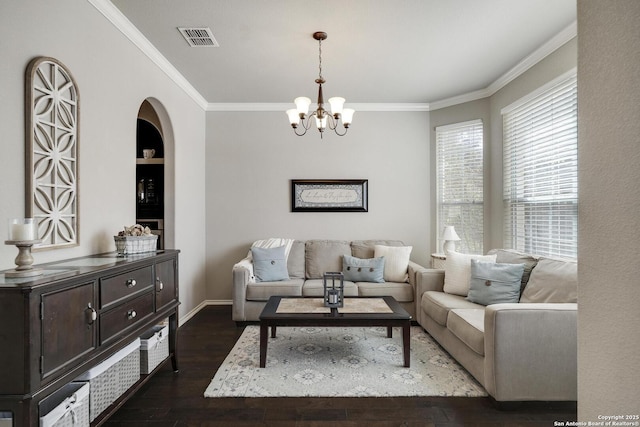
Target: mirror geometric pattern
52, 151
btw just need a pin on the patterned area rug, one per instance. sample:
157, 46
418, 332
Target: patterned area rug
340, 362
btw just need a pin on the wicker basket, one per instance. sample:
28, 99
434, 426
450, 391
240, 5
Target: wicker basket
154, 348
111, 378
127, 245
6, 419
68, 407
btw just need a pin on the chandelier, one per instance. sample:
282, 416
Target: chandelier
323, 119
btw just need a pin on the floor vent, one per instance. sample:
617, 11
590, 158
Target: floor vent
199, 37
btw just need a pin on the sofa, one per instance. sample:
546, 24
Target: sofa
307, 261
520, 343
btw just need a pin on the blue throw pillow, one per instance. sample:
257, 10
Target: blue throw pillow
270, 264
363, 270
494, 283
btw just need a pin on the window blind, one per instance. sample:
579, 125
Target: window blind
460, 183
541, 172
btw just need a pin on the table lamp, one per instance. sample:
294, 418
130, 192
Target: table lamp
450, 237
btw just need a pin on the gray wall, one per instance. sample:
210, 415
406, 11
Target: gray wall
609, 230
114, 78
252, 156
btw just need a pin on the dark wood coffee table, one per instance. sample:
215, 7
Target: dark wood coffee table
391, 315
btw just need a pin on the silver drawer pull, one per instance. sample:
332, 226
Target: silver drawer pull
90, 314
131, 283
131, 314
160, 284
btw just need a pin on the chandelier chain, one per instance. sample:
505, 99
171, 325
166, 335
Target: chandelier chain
320, 59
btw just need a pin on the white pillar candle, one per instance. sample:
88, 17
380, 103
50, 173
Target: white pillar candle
23, 230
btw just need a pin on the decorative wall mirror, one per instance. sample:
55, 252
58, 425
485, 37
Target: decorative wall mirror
52, 111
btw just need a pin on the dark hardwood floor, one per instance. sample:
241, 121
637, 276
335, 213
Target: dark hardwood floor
170, 399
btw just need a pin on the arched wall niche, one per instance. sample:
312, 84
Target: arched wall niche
153, 111
148, 113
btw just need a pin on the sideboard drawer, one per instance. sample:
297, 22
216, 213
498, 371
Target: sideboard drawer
125, 316
116, 288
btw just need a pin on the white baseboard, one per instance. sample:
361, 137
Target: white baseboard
184, 319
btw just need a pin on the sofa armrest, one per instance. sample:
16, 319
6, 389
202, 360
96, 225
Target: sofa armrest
429, 279
531, 351
242, 275
414, 269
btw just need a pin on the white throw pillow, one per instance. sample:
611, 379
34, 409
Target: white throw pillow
396, 261
457, 271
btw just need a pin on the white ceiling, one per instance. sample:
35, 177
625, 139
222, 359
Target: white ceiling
377, 51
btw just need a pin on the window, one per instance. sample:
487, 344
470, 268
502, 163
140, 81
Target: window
541, 171
459, 165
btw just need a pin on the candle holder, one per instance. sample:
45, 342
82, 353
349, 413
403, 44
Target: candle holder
23, 233
333, 284
24, 260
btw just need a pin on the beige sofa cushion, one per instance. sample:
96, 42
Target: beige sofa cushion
315, 288
437, 305
401, 291
261, 291
365, 248
323, 256
552, 280
457, 271
468, 325
295, 262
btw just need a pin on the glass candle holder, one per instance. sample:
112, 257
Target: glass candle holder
23, 229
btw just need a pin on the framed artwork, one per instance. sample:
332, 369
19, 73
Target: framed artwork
329, 195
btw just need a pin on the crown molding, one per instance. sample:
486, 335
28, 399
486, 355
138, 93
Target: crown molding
248, 106
281, 107
538, 55
461, 99
391, 107
125, 26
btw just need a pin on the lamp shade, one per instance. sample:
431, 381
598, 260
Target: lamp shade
302, 104
347, 116
449, 233
321, 123
294, 117
336, 103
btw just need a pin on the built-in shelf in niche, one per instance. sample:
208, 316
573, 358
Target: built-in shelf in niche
154, 161
150, 178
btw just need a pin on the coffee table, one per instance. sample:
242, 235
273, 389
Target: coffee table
376, 311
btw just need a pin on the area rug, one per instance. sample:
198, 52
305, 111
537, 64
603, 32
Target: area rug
340, 362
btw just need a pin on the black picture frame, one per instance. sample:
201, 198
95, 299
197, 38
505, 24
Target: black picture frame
329, 195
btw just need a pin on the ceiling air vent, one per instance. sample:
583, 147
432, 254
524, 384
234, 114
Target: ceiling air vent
199, 37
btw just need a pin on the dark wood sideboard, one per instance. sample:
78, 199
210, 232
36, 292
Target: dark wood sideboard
79, 312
